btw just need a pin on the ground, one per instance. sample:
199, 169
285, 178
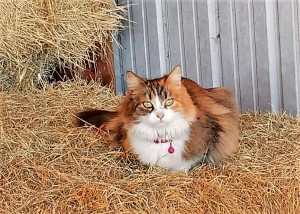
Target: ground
49, 166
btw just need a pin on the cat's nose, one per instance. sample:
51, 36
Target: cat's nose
160, 114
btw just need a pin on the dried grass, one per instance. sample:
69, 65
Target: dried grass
37, 35
49, 166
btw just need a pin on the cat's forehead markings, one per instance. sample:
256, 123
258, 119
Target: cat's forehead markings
156, 89
151, 92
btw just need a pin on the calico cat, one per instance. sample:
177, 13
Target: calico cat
172, 122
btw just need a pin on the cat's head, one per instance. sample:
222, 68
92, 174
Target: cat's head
159, 102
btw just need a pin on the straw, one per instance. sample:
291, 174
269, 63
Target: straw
36, 36
50, 166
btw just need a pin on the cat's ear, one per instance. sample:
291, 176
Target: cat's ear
133, 80
175, 76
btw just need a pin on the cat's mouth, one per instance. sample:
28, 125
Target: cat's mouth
160, 123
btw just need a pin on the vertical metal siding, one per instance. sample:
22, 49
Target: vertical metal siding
229, 49
250, 46
296, 35
287, 59
274, 54
215, 37
262, 61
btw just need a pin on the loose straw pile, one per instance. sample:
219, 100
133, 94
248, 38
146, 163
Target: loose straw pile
49, 166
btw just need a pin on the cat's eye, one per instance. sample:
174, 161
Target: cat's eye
169, 102
147, 104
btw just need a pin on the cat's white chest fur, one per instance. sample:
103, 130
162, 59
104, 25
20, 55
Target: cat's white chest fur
142, 136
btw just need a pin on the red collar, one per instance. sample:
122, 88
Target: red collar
171, 149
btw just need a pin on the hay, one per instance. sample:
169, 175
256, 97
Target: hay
36, 36
49, 166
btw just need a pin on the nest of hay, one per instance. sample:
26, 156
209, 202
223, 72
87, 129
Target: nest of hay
38, 36
50, 166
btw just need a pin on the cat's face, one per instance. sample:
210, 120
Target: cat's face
156, 106
157, 102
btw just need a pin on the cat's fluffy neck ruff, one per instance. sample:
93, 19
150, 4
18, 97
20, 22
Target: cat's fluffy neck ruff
142, 137
168, 131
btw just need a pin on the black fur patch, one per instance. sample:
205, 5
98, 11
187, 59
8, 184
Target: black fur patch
94, 117
215, 129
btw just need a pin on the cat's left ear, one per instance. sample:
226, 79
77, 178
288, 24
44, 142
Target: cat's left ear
175, 76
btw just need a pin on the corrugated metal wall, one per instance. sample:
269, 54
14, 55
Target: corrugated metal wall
249, 46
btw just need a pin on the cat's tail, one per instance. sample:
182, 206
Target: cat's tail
94, 117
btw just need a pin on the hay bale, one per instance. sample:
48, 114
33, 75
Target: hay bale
49, 166
36, 36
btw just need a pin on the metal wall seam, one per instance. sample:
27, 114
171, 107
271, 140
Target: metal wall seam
165, 16
235, 53
296, 22
131, 35
253, 54
118, 64
145, 34
274, 55
196, 39
160, 34
180, 33
214, 35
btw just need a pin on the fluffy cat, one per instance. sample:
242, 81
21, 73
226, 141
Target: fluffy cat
172, 122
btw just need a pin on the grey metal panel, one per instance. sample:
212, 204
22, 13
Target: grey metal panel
256, 54
174, 33
205, 63
167, 50
229, 47
252, 54
244, 56
296, 28
214, 42
154, 66
197, 76
287, 53
118, 58
126, 54
187, 41
274, 54
139, 42
262, 68
117, 64
297, 51
189, 54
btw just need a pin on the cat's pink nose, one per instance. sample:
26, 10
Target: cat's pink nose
160, 114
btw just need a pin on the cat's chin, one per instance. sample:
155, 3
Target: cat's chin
161, 124
157, 124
